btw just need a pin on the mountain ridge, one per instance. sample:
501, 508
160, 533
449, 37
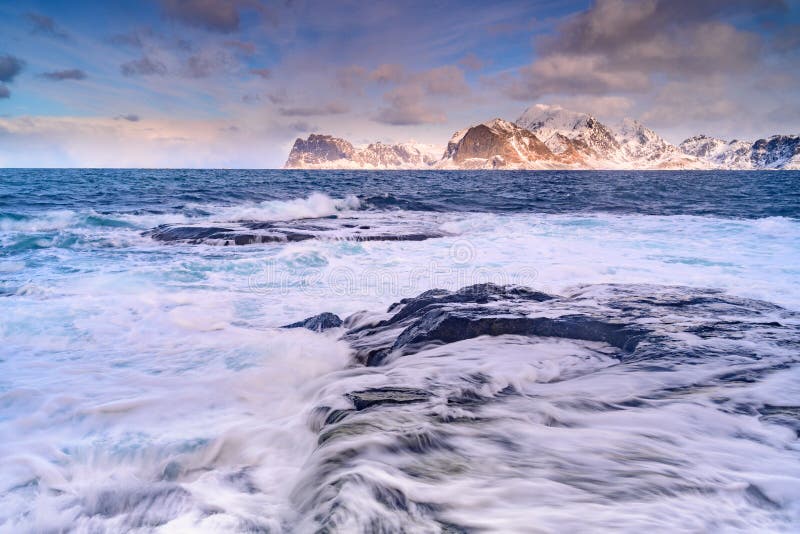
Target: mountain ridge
551, 137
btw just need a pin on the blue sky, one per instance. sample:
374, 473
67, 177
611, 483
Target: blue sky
232, 83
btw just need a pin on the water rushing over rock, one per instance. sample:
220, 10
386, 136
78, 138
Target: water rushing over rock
362, 227
504, 408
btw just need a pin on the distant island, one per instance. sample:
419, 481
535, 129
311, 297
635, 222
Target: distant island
551, 137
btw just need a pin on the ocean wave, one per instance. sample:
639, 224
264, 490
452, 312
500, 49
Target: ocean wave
313, 206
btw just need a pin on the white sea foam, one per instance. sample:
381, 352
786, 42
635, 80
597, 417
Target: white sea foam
315, 205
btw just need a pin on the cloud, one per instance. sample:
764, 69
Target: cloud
471, 62
604, 107
351, 79
265, 74
405, 105
214, 15
131, 117
243, 47
61, 75
624, 45
447, 80
44, 25
331, 108
10, 66
144, 66
387, 73
678, 102
209, 63
575, 74
302, 127
132, 39
200, 66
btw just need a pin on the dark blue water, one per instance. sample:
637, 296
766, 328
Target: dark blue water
146, 385
734, 194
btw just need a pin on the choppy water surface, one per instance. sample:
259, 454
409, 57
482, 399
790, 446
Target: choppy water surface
144, 385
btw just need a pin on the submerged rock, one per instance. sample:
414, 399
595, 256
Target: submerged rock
361, 228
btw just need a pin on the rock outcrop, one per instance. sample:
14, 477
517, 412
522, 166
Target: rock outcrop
498, 144
473, 394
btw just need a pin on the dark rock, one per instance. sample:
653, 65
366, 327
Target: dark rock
257, 232
318, 323
167, 232
389, 395
449, 327
474, 294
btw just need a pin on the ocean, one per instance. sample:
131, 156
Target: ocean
146, 383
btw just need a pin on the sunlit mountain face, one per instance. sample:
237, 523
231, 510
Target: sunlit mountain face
233, 83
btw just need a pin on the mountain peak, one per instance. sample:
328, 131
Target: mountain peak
553, 117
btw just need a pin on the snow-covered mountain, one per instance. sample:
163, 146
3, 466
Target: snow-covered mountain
551, 137
328, 152
561, 129
777, 152
498, 144
629, 145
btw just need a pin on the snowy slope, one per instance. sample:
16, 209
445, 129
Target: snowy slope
776, 152
629, 145
328, 152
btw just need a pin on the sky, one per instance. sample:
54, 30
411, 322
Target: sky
232, 83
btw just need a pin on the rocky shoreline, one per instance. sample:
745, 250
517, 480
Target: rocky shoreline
437, 397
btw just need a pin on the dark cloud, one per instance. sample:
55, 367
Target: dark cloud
199, 66
10, 66
61, 75
131, 39
622, 45
788, 39
302, 127
215, 15
251, 98
331, 108
207, 64
4, 92
44, 25
130, 117
262, 73
405, 105
144, 66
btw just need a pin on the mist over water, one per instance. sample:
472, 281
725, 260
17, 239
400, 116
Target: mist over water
146, 385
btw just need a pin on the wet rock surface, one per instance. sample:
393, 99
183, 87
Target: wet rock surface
601, 395
381, 396
366, 227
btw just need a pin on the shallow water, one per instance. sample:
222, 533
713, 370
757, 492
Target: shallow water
144, 385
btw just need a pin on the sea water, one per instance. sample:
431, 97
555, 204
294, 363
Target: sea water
146, 386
